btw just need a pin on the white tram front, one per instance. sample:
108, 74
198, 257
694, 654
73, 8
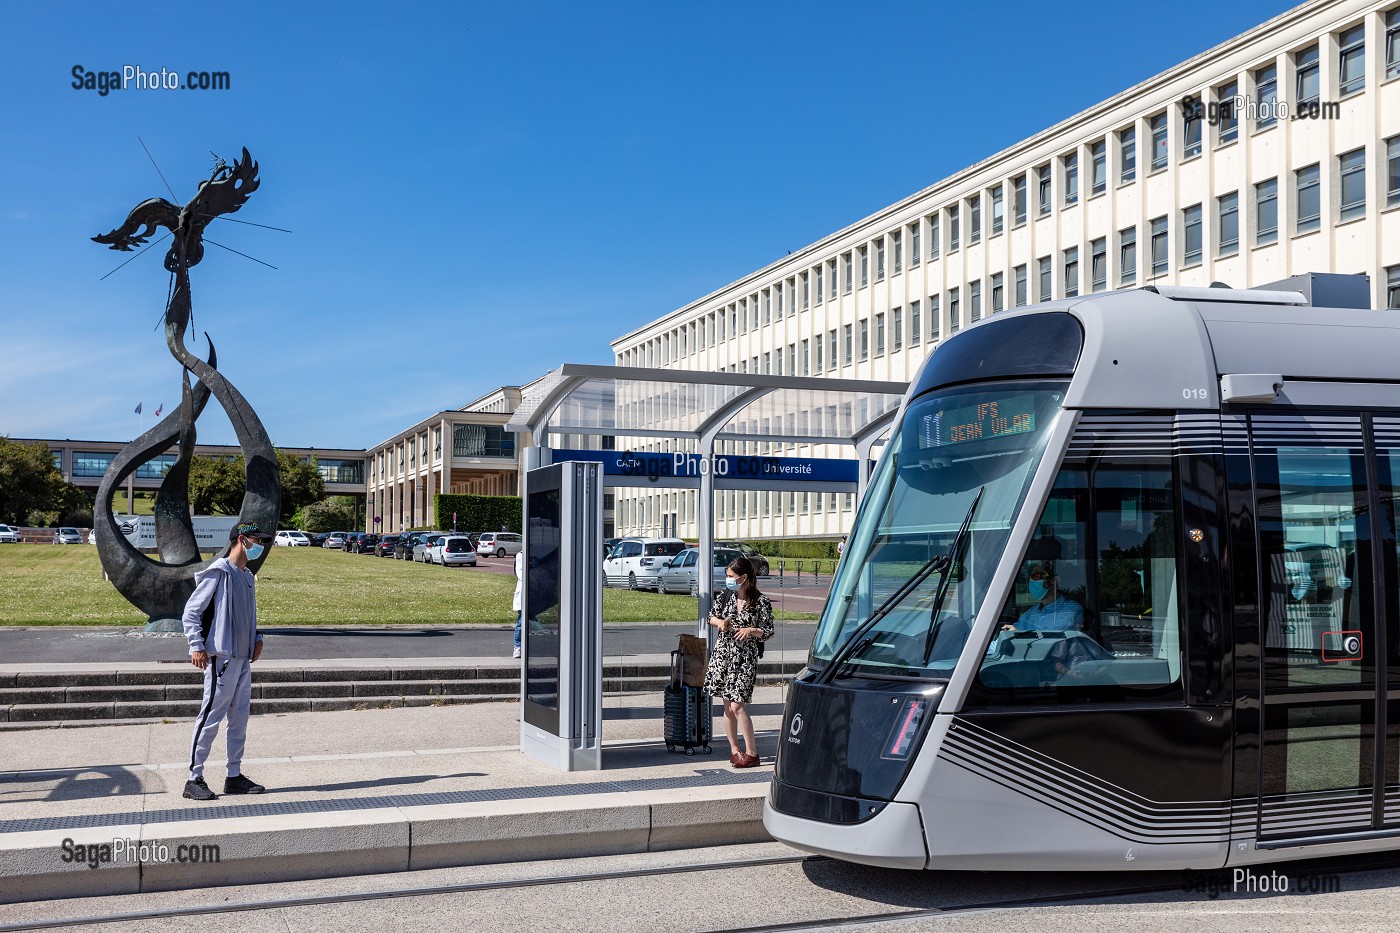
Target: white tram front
1122, 593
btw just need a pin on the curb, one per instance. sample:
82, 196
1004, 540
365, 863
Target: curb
299, 845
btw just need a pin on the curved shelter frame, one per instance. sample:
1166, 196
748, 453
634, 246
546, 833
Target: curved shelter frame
698, 410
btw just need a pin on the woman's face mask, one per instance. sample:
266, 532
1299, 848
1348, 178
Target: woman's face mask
731, 583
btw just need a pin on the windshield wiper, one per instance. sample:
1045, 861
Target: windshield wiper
858, 640
954, 555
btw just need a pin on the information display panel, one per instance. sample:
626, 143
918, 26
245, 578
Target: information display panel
541, 608
561, 692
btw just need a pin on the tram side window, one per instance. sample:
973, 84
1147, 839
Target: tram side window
1093, 613
1309, 533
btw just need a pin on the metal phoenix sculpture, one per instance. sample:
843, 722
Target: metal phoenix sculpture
161, 588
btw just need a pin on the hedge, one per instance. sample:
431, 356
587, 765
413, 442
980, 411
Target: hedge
796, 548
478, 513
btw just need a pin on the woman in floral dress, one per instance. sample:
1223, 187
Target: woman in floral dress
743, 622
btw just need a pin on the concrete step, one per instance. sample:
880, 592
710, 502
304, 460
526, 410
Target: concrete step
36, 700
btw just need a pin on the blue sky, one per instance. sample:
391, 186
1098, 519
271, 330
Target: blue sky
481, 192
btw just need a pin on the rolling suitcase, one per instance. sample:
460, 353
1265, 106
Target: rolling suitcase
687, 712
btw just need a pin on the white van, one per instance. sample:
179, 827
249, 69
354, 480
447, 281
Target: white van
636, 562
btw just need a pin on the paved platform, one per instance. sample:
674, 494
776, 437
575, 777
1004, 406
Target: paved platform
356, 792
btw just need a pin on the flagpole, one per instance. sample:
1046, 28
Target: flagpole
131, 477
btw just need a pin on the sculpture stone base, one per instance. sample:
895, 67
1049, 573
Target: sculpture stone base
164, 625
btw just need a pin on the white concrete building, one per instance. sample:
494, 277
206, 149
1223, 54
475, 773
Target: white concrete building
1273, 154
463, 451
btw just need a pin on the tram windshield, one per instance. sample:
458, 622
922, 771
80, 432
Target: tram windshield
950, 445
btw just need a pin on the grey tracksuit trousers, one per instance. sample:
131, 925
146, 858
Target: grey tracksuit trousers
228, 690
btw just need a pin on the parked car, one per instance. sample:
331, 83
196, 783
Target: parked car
499, 543
350, 539
422, 549
9, 535
335, 540
67, 536
291, 538
454, 551
403, 548
760, 563
680, 574
635, 562
365, 543
318, 540
385, 547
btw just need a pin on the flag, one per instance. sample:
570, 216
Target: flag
138, 408
159, 408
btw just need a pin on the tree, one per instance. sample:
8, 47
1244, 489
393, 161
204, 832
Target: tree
338, 513
30, 483
217, 484
301, 484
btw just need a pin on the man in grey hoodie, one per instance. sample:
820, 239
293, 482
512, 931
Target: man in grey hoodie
221, 625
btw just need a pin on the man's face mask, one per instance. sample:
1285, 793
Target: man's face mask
254, 550
1038, 589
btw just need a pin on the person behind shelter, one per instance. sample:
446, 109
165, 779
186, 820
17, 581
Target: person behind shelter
743, 622
518, 603
224, 646
1051, 612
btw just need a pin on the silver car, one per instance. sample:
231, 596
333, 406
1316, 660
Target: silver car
454, 551
680, 573
423, 549
335, 541
498, 543
67, 536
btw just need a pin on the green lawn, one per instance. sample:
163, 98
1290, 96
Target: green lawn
63, 585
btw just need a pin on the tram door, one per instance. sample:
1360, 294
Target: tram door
1322, 507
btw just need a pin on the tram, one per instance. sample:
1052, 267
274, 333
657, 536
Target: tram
1122, 594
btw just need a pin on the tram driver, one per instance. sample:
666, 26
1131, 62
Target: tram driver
1051, 612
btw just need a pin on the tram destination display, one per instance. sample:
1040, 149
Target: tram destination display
1002, 417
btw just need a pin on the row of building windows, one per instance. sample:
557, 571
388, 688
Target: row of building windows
94, 464
867, 338
468, 440
860, 340
942, 231
650, 514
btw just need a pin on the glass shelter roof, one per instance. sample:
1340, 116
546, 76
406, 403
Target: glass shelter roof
705, 406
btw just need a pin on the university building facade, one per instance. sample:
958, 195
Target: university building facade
1274, 154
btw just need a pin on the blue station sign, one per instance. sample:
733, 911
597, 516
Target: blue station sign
655, 467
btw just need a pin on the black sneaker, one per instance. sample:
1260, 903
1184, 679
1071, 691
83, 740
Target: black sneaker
198, 790
239, 784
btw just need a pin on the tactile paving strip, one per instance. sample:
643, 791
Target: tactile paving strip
717, 777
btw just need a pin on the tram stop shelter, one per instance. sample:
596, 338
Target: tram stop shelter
691, 415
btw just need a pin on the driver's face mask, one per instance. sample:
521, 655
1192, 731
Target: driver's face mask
1038, 584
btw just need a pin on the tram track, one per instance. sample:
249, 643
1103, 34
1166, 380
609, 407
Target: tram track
473, 887
1341, 865
1169, 881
